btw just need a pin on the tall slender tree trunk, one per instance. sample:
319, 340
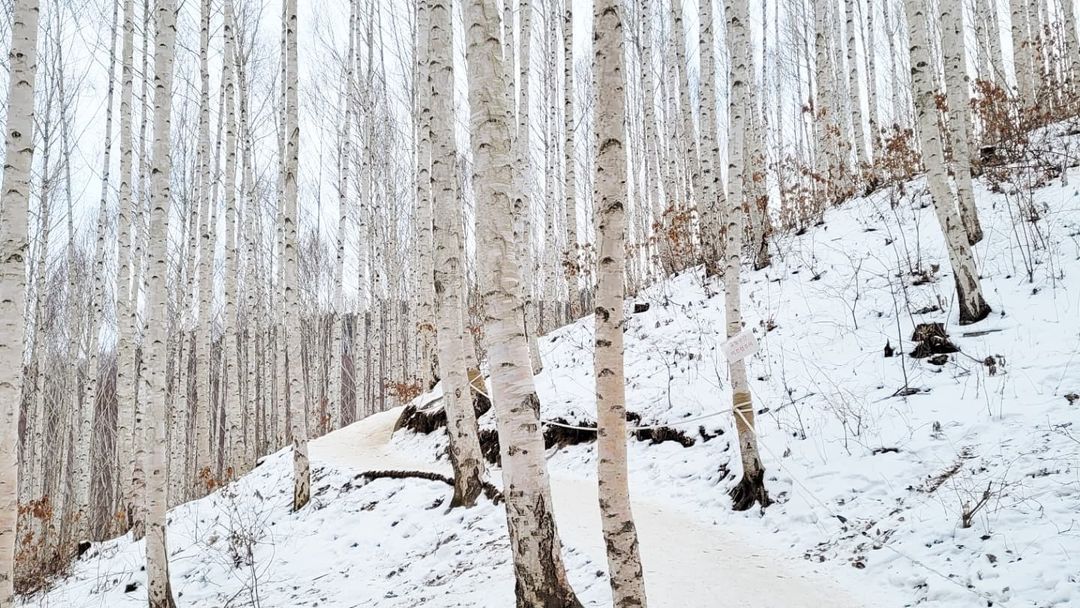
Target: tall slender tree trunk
956, 89
301, 466
14, 251
1072, 44
711, 207
424, 241
571, 255
751, 488
460, 416
522, 195
824, 153
859, 131
1023, 63
126, 292
620, 534
538, 567
82, 473
159, 590
872, 81
204, 340
338, 314
687, 137
973, 307
230, 382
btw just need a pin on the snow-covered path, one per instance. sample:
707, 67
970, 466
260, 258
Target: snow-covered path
687, 562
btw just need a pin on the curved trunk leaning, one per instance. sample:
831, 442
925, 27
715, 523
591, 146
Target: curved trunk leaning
970, 300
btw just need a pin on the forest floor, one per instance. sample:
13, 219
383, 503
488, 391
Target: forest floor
946, 482
679, 552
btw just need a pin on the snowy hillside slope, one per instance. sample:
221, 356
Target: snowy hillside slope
872, 460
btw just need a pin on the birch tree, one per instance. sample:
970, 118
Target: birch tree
972, 305
205, 334
1023, 63
620, 534
14, 251
126, 292
751, 488
460, 415
159, 590
571, 257
712, 203
301, 466
538, 566
90, 386
956, 89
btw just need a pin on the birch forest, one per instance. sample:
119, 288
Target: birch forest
601, 239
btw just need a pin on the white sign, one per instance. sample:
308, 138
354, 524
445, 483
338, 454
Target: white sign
740, 346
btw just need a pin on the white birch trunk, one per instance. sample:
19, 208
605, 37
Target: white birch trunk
230, 382
538, 566
571, 257
1023, 64
90, 388
159, 590
687, 137
204, 339
751, 488
620, 534
956, 88
460, 416
973, 307
711, 207
424, 242
1072, 43
301, 466
126, 292
14, 251
861, 156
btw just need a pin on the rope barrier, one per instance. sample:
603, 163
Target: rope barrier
779, 463
843, 520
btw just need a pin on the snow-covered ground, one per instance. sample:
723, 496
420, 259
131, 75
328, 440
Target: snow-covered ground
870, 485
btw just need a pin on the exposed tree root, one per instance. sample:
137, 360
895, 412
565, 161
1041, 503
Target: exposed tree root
750, 490
491, 492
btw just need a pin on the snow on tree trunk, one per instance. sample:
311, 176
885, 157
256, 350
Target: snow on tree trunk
972, 306
751, 488
292, 325
461, 426
620, 534
538, 566
159, 590
14, 251
956, 88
